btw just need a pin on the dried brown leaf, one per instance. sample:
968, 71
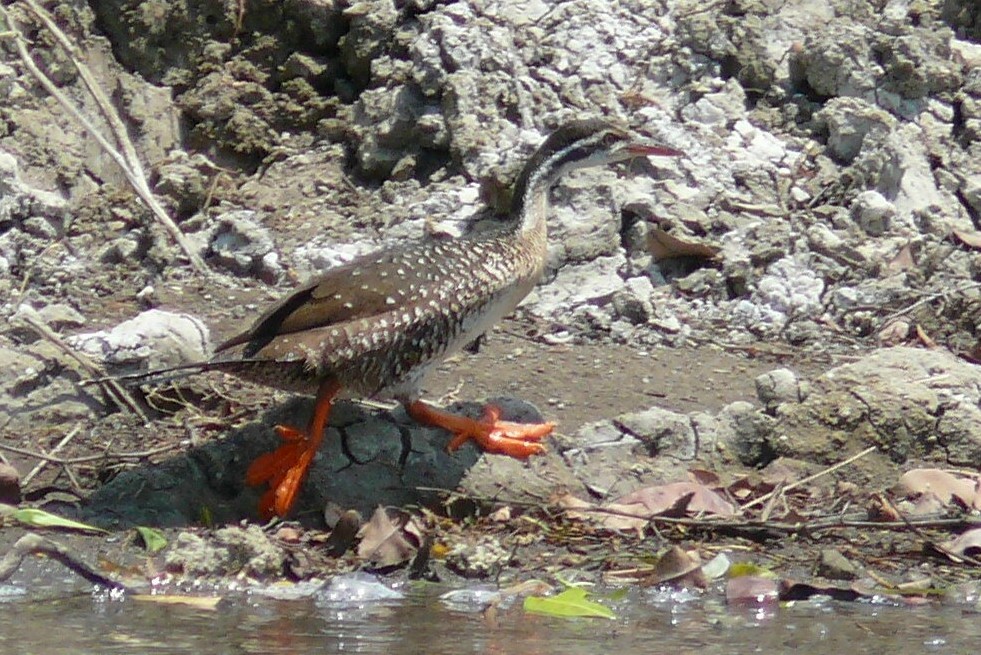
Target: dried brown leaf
664, 245
969, 238
661, 498
945, 485
925, 338
926, 504
707, 478
345, 532
752, 590
633, 511
620, 517
679, 567
967, 544
793, 516
413, 528
879, 509
573, 505
384, 541
751, 486
680, 507
611, 516
903, 261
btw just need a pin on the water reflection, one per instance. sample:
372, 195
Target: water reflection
422, 623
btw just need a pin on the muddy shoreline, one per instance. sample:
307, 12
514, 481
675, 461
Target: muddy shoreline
801, 287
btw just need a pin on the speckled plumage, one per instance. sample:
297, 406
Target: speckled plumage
377, 324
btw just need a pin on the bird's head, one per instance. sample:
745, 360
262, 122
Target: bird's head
595, 142
583, 144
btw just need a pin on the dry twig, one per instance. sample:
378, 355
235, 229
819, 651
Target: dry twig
32, 544
127, 161
119, 394
917, 529
810, 478
929, 299
137, 455
44, 461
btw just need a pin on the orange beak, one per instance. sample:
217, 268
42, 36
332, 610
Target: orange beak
647, 149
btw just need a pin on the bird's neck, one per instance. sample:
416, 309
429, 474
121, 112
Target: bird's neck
531, 216
529, 203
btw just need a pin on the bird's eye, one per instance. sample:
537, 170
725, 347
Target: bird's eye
611, 139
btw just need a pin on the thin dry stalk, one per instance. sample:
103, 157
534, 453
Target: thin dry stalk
113, 389
128, 163
811, 478
101, 99
32, 544
64, 461
43, 462
918, 529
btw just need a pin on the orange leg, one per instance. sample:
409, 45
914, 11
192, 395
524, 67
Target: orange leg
492, 435
285, 468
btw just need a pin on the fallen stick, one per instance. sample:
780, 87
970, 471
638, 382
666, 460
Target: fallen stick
108, 455
129, 164
32, 544
810, 478
113, 388
44, 461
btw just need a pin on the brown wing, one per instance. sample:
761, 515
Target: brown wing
367, 287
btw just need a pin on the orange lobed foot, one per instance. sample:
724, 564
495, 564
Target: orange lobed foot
284, 470
519, 440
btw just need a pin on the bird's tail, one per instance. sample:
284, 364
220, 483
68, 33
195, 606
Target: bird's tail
162, 375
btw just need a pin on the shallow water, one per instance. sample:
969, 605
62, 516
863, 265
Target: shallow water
648, 622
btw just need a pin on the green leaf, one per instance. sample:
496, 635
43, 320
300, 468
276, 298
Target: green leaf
570, 603
205, 517
618, 594
38, 518
739, 569
153, 539
572, 583
197, 602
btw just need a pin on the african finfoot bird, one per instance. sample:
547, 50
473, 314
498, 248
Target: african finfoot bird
375, 326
